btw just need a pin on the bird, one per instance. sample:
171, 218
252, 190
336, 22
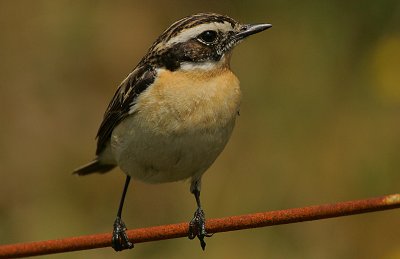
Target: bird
172, 116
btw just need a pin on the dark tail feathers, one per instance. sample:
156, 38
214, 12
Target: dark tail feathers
93, 167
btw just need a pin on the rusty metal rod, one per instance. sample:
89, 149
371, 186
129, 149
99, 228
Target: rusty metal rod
255, 220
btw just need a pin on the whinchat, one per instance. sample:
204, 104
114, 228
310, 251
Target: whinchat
173, 114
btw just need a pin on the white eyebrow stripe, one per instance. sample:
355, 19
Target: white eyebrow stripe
190, 33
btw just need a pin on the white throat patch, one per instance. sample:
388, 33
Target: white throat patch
207, 65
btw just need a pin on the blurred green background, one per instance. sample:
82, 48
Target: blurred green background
319, 123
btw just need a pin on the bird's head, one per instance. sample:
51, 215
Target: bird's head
203, 40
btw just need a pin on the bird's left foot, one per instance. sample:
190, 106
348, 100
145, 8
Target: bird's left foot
197, 227
120, 239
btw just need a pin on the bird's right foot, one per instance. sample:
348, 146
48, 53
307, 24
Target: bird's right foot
120, 240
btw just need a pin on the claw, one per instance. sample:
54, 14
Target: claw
197, 227
120, 239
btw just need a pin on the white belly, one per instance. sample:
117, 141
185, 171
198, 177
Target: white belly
156, 158
177, 130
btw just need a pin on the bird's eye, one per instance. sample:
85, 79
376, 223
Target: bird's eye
208, 36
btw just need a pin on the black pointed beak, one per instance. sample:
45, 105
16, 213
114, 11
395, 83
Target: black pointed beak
250, 29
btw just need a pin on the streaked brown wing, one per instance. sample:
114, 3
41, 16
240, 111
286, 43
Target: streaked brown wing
121, 103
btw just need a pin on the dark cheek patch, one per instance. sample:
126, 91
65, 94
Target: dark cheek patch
170, 61
191, 51
196, 52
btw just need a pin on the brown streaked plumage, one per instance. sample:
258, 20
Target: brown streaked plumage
174, 113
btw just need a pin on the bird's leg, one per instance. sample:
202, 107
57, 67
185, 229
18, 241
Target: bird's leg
197, 226
120, 240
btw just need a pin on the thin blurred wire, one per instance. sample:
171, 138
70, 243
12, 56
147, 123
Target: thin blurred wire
255, 220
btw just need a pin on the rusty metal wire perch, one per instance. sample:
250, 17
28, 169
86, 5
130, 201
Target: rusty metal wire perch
255, 220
